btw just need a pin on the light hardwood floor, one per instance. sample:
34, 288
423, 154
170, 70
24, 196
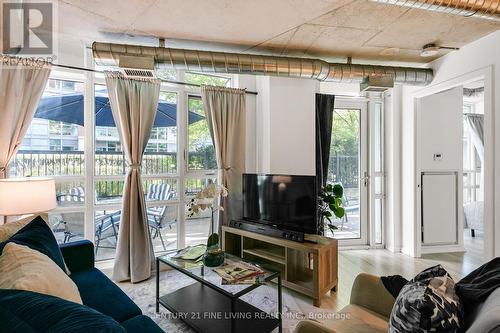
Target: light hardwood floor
381, 262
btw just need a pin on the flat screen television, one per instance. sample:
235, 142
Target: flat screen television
282, 201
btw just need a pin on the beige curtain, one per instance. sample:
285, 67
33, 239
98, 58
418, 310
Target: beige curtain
21, 85
133, 104
225, 110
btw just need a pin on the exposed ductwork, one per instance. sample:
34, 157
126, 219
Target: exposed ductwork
107, 54
473, 92
486, 9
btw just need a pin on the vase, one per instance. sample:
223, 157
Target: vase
213, 257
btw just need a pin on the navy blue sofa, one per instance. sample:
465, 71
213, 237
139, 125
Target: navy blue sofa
106, 308
99, 292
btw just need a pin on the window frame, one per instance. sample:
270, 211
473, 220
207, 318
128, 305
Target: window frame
63, 75
89, 179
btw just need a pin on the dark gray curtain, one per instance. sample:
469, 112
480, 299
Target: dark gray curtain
324, 118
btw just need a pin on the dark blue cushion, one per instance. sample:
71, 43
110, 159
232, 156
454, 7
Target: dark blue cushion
25, 312
79, 255
100, 293
38, 236
141, 324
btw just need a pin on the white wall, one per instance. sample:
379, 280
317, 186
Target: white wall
392, 154
439, 123
70, 51
286, 125
481, 56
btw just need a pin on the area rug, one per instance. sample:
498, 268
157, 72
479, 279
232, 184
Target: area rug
295, 309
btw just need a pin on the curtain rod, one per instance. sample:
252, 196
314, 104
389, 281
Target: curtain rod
162, 80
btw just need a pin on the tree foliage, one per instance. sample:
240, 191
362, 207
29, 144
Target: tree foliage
345, 132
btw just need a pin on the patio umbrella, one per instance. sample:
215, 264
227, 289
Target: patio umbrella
68, 108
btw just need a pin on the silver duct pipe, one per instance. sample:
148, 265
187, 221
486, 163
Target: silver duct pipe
486, 9
107, 54
473, 92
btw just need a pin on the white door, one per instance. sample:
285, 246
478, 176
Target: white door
348, 165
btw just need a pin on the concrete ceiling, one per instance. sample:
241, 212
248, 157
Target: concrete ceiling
328, 29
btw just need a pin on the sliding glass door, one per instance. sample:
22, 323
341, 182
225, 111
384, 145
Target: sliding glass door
73, 138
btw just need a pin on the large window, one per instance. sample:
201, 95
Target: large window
201, 152
54, 146
88, 163
159, 166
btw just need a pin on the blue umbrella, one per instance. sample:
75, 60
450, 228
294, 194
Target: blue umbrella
68, 108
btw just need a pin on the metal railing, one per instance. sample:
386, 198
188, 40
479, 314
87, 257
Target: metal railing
71, 163
344, 169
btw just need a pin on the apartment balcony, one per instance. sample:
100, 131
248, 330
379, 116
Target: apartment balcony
107, 163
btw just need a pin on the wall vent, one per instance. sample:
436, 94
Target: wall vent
376, 83
138, 73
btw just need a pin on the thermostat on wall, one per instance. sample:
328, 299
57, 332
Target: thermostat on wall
438, 157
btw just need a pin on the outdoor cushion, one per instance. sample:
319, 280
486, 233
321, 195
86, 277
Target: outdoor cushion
141, 324
100, 293
38, 236
30, 312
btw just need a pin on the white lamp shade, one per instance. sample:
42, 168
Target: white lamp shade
19, 196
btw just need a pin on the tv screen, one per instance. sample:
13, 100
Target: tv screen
284, 201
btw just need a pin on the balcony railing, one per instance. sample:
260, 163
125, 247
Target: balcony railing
344, 169
71, 163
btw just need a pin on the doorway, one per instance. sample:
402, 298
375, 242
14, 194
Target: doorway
348, 166
446, 97
473, 168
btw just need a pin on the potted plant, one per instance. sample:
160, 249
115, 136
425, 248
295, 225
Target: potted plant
208, 199
330, 205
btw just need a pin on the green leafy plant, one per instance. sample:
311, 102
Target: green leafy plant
213, 241
330, 204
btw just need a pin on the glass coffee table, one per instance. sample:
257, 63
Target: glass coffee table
207, 305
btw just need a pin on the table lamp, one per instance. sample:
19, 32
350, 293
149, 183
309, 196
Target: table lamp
30, 195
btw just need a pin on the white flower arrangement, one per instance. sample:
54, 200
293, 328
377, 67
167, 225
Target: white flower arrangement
207, 198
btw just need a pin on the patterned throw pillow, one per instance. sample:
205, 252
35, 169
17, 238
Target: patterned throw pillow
427, 303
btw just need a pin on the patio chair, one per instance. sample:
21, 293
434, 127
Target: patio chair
73, 195
75, 226
161, 217
106, 226
158, 192
70, 224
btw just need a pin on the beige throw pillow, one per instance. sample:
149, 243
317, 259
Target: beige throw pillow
26, 269
8, 229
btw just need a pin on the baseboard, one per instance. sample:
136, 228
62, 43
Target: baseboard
394, 249
441, 248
